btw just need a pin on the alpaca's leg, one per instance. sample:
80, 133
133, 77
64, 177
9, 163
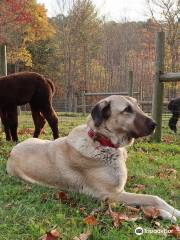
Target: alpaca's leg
12, 119
3, 115
39, 120
52, 119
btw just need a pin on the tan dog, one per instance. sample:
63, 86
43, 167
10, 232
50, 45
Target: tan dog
91, 159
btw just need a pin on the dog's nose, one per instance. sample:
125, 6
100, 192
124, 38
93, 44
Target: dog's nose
151, 124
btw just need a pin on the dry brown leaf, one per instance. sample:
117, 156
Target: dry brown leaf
118, 218
30, 131
61, 196
44, 198
55, 233
151, 212
170, 171
27, 188
64, 198
152, 159
138, 187
167, 173
52, 235
90, 220
175, 231
133, 209
83, 236
156, 223
168, 139
99, 210
82, 209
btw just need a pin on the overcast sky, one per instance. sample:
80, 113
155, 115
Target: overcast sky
113, 9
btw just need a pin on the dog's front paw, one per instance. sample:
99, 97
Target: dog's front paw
167, 215
177, 213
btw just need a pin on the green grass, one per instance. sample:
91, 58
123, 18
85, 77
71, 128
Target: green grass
23, 215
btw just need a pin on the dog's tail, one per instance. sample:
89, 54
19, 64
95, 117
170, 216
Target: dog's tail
51, 84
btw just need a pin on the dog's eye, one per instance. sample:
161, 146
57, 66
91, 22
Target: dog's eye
128, 109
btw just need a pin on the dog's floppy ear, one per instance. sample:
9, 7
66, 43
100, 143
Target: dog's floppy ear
101, 112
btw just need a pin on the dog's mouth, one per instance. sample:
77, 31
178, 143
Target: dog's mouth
142, 127
141, 133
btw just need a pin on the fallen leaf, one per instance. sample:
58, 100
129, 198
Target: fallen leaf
156, 223
90, 220
61, 196
152, 159
168, 139
26, 131
44, 198
118, 218
52, 235
99, 210
170, 171
138, 187
82, 209
167, 173
151, 212
161, 175
133, 209
175, 231
83, 236
55, 233
27, 188
64, 198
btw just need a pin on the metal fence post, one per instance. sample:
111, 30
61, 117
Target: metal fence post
130, 83
157, 103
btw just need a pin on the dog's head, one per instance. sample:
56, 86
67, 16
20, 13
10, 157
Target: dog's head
120, 119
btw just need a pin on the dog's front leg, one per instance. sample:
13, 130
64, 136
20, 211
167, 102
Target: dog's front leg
166, 211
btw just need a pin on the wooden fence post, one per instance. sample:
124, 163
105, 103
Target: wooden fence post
3, 61
157, 103
130, 83
75, 103
83, 103
3, 69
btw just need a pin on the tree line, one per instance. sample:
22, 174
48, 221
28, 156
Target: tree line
81, 51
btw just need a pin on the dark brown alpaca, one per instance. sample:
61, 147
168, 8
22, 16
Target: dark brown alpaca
27, 87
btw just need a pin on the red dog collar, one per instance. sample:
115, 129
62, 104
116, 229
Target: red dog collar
104, 141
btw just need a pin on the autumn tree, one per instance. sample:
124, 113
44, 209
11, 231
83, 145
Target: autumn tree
79, 31
22, 22
166, 13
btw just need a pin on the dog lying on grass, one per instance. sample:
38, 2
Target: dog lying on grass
174, 107
91, 159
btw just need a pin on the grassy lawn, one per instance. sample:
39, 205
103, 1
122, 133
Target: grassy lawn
29, 211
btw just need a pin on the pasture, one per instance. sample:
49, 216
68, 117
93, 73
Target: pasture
28, 211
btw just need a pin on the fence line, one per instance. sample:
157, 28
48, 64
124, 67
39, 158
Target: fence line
160, 79
130, 92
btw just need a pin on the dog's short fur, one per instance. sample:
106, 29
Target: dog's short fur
27, 87
174, 107
79, 163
